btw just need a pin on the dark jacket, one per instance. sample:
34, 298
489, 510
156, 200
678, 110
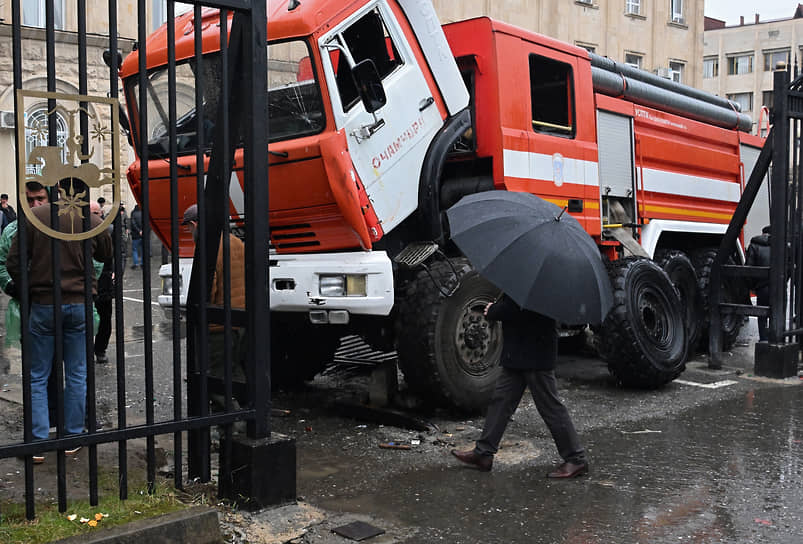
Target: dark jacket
758, 254
40, 265
136, 223
530, 339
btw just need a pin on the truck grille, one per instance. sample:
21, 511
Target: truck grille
293, 236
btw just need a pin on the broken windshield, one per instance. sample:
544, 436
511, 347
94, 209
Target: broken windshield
294, 99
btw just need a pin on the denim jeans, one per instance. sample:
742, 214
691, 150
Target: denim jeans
136, 249
42, 349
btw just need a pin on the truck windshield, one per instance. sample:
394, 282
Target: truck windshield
294, 99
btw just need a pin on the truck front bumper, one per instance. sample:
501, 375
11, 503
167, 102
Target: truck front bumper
296, 284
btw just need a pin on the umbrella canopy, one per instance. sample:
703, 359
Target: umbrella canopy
541, 258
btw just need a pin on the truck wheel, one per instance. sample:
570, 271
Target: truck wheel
643, 338
732, 291
299, 352
680, 270
449, 353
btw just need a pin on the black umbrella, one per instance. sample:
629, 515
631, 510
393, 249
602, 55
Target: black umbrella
541, 257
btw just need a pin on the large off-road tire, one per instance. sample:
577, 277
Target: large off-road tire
299, 351
680, 270
733, 290
449, 353
643, 338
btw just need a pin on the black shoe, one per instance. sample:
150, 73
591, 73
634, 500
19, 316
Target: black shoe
101, 358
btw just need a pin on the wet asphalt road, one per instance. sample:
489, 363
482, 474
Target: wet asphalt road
686, 463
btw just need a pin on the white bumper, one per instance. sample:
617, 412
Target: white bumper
294, 282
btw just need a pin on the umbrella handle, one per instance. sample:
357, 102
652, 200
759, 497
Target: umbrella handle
561, 213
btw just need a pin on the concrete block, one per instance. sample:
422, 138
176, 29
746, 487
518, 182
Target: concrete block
263, 471
776, 360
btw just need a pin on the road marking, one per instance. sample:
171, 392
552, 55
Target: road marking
715, 385
140, 301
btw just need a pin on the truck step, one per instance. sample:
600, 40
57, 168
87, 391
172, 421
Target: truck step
415, 253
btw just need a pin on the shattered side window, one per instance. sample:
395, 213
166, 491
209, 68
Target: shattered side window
367, 38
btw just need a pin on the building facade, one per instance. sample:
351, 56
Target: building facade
661, 36
738, 61
66, 53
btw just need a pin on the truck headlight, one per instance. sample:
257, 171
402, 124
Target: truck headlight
167, 285
340, 285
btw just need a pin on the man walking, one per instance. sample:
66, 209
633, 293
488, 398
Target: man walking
103, 300
40, 265
758, 254
529, 355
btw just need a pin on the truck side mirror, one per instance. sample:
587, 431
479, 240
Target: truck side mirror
369, 85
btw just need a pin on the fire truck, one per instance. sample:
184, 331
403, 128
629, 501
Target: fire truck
360, 181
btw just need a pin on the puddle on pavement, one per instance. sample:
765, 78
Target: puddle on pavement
727, 472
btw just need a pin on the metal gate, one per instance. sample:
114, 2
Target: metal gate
780, 157
80, 154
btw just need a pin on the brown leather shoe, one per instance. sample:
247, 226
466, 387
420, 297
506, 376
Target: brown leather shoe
482, 462
569, 470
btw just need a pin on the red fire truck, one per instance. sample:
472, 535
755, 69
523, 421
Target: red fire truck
358, 187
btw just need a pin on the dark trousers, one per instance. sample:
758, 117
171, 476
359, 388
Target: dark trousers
763, 299
544, 388
105, 326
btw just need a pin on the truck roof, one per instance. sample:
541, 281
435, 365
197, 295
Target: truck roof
505, 28
308, 17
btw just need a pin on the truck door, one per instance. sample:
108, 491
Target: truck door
616, 171
388, 146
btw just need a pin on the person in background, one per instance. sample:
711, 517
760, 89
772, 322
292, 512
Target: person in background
758, 254
135, 229
103, 301
39, 269
101, 206
8, 213
216, 333
529, 355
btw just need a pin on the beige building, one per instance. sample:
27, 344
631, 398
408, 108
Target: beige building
662, 36
739, 60
34, 76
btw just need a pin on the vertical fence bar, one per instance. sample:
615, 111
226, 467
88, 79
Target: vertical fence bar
778, 185
255, 130
58, 351
199, 356
174, 212
119, 320
90, 406
22, 227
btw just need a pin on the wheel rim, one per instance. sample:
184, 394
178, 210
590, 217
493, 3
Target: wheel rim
656, 318
476, 339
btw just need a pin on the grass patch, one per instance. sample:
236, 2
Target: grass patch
50, 524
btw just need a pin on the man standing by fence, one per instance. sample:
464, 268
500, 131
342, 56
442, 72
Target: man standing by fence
40, 265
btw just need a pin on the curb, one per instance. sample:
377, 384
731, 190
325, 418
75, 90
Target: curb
197, 525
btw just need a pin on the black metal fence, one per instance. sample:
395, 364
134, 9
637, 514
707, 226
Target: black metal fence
238, 122
781, 158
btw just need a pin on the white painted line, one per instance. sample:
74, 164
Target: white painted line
140, 301
715, 385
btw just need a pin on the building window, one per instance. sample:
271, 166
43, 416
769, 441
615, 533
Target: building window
676, 71
633, 60
33, 13
767, 98
711, 67
159, 12
677, 12
772, 58
633, 7
740, 64
552, 96
745, 100
591, 48
37, 129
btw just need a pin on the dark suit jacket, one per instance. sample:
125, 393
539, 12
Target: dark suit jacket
531, 339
